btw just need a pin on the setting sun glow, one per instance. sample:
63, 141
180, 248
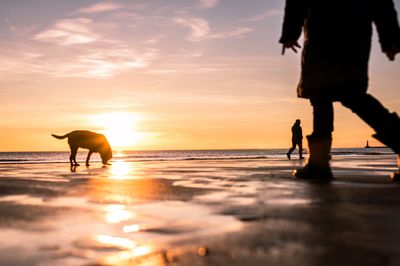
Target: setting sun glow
120, 128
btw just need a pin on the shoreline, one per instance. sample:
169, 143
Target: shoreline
189, 155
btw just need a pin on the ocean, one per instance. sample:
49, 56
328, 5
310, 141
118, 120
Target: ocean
175, 155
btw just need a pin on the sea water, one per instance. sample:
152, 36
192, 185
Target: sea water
176, 155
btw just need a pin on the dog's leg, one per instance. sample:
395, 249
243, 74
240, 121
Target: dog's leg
88, 157
77, 164
72, 158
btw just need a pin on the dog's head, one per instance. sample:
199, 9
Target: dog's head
105, 152
106, 155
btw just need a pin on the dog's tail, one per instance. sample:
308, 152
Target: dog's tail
59, 137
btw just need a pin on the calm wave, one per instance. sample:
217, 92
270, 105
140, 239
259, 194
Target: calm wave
61, 157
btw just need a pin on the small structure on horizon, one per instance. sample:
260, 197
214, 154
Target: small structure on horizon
367, 146
373, 147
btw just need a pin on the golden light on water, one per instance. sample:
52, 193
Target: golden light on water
122, 258
118, 242
116, 213
131, 228
120, 128
121, 170
132, 249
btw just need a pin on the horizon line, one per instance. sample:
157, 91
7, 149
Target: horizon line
216, 149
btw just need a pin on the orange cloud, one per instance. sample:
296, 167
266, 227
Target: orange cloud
69, 32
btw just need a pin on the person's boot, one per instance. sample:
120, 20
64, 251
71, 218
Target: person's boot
301, 154
317, 167
289, 152
395, 176
390, 136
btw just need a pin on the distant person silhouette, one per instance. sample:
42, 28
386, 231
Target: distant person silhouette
337, 44
297, 139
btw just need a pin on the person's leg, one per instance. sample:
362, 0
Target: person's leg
386, 124
322, 118
319, 142
300, 144
291, 150
374, 114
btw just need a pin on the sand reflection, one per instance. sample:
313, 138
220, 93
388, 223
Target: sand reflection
116, 213
117, 242
131, 228
130, 188
130, 248
125, 256
122, 170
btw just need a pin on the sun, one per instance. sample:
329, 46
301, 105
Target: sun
120, 128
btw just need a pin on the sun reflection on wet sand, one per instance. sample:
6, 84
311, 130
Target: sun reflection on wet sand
131, 228
121, 170
118, 242
124, 256
116, 213
131, 249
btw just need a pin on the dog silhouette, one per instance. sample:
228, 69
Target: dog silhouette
85, 139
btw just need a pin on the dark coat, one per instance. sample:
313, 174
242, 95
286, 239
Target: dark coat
297, 133
338, 42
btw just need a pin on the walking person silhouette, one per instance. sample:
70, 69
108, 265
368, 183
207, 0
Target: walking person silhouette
337, 44
297, 139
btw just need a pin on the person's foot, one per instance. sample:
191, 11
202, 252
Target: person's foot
395, 176
301, 158
288, 155
312, 173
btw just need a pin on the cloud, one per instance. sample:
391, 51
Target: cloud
265, 15
238, 33
103, 63
93, 49
91, 62
199, 27
100, 8
156, 39
200, 30
69, 32
209, 3
104, 46
13, 62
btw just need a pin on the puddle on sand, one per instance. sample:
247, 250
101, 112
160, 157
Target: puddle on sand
109, 233
131, 222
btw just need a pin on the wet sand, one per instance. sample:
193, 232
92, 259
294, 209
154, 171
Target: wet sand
229, 212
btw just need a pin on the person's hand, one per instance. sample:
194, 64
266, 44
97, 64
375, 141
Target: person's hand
290, 45
391, 52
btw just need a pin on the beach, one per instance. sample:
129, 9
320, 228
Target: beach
213, 211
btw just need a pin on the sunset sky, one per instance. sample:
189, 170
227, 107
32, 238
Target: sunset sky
160, 74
